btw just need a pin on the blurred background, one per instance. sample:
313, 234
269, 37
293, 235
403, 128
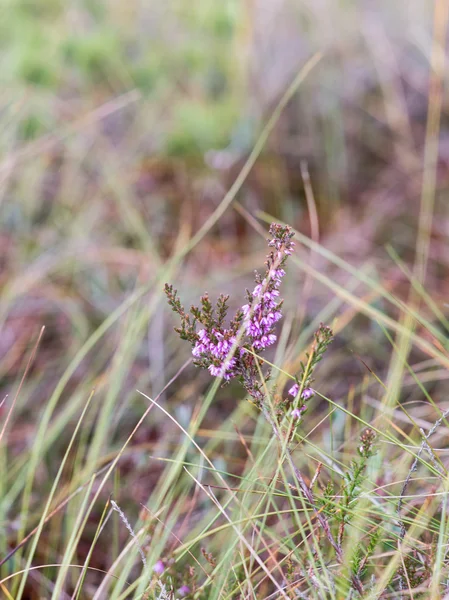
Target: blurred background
124, 123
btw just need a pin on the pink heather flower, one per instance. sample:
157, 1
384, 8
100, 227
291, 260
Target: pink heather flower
198, 349
297, 413
278, 244
184, 590
264, 341
201, 346
253, 328
271, 318
259, 287
269, 298
246, 308
307, 393
224, 370
205, 347
277, 274
159, 567
293, 391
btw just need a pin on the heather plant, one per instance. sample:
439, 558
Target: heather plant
234, 350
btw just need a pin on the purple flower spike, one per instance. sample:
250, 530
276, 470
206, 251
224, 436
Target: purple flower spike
263, 310
184, 590
159, 567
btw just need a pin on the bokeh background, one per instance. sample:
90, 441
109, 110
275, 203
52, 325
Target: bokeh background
125, 123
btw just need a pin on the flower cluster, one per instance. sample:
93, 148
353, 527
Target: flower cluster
262, 315
218, 347
305, 395
263, 310
228, 350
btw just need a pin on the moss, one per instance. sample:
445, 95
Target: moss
197, 127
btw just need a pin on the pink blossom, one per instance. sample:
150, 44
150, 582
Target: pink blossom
184, 590
307, 393
159, 567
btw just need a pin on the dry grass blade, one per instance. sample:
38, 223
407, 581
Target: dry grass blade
27, 368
